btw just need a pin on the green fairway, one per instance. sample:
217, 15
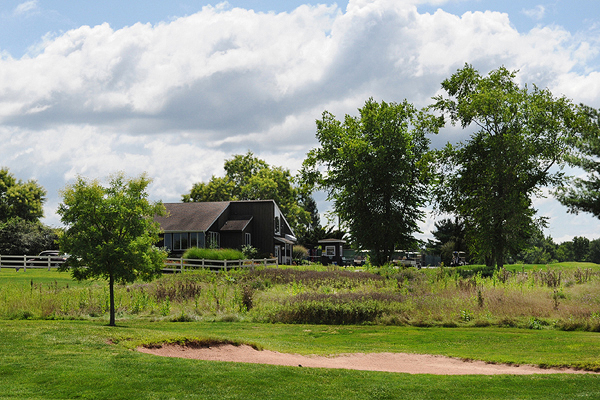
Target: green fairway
9, 276
83, 359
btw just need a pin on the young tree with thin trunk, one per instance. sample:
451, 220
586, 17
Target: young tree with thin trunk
110, 232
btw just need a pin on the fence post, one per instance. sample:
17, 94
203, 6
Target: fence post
181, 265
24, 264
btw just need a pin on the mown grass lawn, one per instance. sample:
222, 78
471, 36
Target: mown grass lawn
85, 359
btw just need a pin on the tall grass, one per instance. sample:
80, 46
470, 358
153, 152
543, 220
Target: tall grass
534, 299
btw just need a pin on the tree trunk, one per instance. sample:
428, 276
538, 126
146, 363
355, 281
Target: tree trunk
111, 285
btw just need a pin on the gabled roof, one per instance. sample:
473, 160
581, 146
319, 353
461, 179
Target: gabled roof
191, 216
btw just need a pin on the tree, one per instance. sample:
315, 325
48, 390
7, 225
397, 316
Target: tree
250, 178
110, 232
20, 199
377, 172
583, 194
489, 181
19, 236
595, 251
538, 250
449, 237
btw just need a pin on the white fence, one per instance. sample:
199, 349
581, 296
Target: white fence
186, 264
18, 262
171, 264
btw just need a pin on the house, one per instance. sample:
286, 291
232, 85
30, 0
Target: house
228, 224
333, 251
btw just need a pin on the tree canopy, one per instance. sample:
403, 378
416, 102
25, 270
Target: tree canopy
19, 236
110, 232
249, 178
375, 169
489, 181
20, 199
583, 194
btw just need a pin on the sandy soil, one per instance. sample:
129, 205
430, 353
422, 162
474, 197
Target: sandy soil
390, 362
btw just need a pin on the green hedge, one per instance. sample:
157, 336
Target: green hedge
213, 254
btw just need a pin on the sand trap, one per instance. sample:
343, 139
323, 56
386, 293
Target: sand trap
389, 362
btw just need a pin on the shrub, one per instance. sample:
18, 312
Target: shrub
213, 254
337, 309
299, 254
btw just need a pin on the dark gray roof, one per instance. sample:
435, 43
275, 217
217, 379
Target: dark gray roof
191, 216
238, 224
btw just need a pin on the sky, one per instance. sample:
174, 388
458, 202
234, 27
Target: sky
174, 88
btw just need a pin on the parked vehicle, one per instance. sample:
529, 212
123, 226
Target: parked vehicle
53, 256
458, 259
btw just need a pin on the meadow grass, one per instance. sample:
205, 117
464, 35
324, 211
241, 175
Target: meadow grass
537, 299
54, 342
85, 359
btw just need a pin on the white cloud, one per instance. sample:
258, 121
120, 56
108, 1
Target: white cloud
537, 13
26, 8
176, 98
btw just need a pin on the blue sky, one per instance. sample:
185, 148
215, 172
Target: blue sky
173, 88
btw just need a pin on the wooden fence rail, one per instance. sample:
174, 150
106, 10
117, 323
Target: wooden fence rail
186, 264
25, 262
170, 265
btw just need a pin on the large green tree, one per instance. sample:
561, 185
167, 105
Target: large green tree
19, 236
249, 178
110, 232
583, 194
520, 133
20, 199
375, 169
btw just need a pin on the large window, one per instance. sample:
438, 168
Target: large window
180, 241
197, 239
168, 241
330, 251
183, 240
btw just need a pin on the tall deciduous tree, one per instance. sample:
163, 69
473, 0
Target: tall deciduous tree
20, 199
520, 133
583, 194
376, 172
19, 236
110, 232
249, 178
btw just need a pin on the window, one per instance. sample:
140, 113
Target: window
248, 239
277, 226
180, 241
213, 240
197, 239
330, 251
177, 241
168, 241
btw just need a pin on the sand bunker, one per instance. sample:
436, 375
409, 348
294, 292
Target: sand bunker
389, 362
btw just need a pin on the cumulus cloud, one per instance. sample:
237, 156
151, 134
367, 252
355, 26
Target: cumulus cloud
176, 98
